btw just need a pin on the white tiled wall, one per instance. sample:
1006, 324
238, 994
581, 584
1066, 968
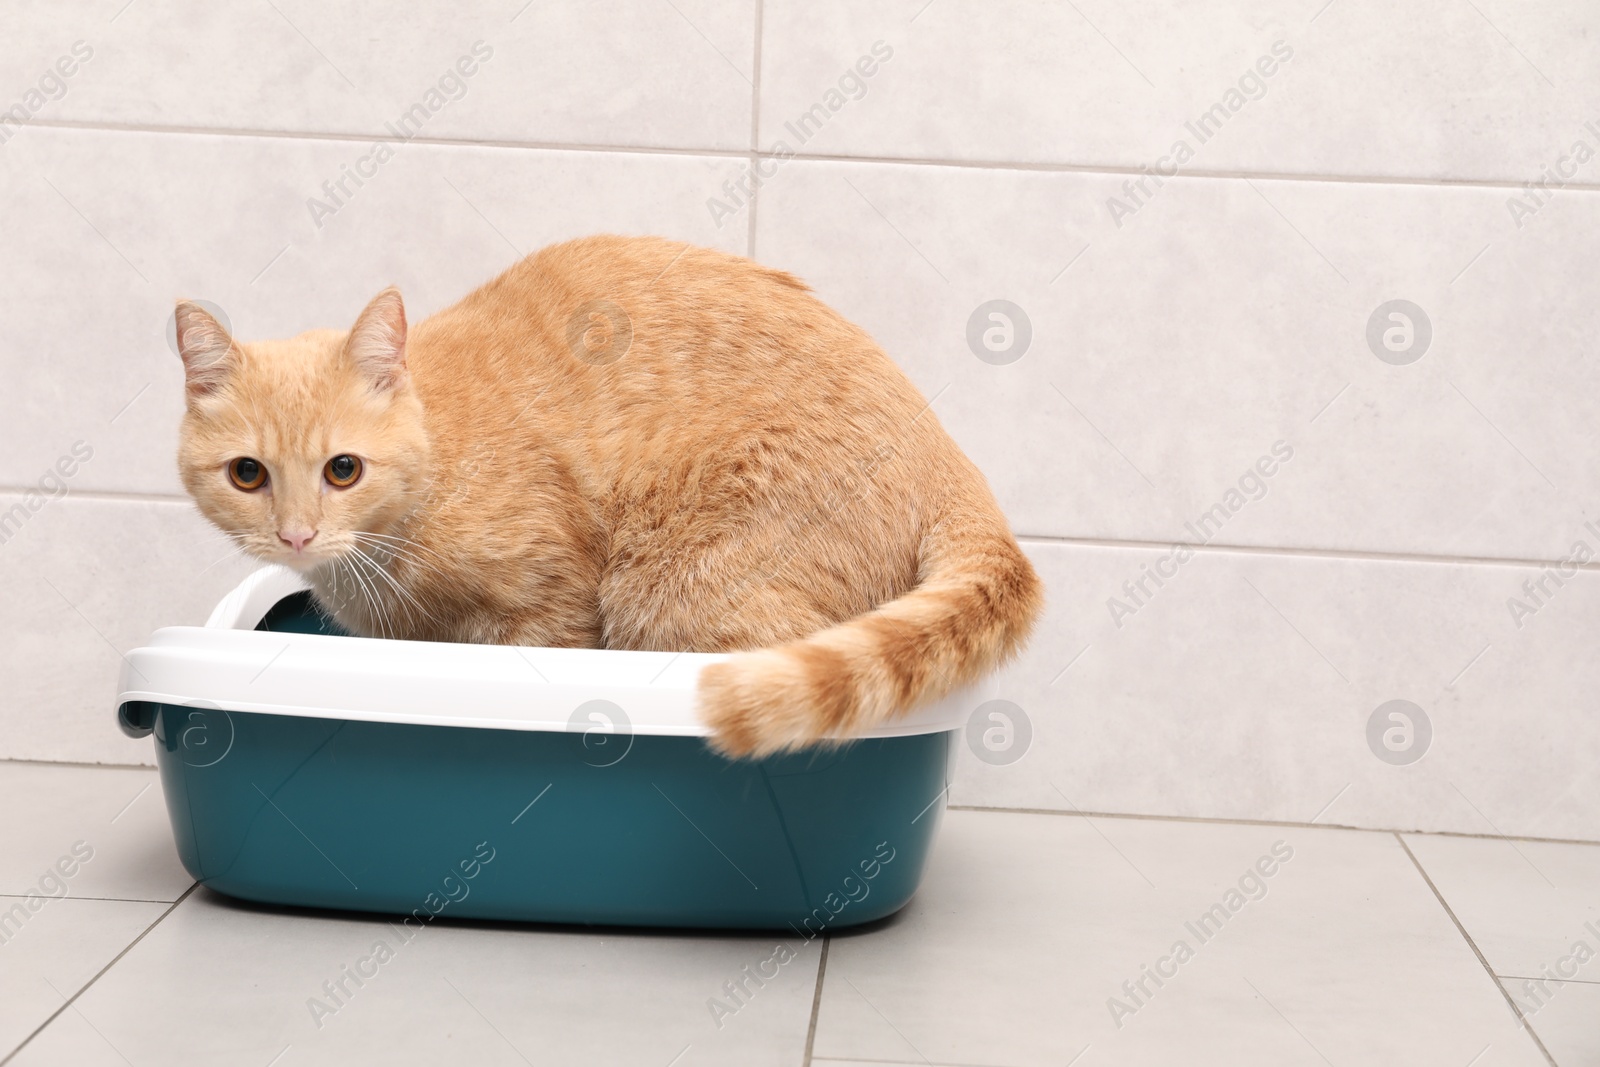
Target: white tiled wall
956, 152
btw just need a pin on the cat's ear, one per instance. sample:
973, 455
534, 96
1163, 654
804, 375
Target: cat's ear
377, 343
205, 348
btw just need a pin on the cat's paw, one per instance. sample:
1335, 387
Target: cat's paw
758, 704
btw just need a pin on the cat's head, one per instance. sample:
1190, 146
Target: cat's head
304, 450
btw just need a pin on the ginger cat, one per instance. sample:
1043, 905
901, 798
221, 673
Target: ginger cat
622, 443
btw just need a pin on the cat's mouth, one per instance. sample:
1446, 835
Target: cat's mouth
348, 553
304, 561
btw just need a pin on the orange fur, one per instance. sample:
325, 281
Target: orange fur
626, 443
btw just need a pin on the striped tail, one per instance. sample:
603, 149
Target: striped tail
975, 603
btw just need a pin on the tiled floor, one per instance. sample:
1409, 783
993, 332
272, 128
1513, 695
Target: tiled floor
1324, 946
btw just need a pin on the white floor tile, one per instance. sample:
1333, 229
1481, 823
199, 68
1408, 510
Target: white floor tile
1025, 930
71, 1038
484, 993
1532, 907
1027, 926
1566, 1023
48, 954
103, 831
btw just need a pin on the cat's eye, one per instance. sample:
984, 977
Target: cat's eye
247, 474
342, 471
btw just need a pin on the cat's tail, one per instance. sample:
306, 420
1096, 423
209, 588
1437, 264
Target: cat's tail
973, 608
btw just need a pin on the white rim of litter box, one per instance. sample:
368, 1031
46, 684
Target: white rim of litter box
227, 664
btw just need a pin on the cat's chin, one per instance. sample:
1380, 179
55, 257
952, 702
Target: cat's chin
300, 563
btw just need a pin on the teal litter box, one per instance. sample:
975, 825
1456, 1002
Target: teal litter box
307, 767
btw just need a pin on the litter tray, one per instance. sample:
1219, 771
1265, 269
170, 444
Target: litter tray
308, 767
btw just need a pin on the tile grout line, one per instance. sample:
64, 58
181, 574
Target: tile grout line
109, 900
103, 495
79, 763
1374, 556
908, 1063
755, 135
816, 1001
1552, 981
1510, 1001
1270, 822
356, 137
70, 1001
1121, 169
1117, 169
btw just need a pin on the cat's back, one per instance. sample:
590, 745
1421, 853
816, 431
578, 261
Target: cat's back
629, 355
609, 320
719, 321
652, 268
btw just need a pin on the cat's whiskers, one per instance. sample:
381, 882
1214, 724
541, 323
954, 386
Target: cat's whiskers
380, 609
374, 612
380, 604
403, 546
233, 553
406, 599
409, 553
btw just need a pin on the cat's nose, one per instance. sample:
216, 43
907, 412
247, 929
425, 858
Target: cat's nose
296, 539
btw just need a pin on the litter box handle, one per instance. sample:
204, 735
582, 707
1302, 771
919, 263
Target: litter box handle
137, 717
